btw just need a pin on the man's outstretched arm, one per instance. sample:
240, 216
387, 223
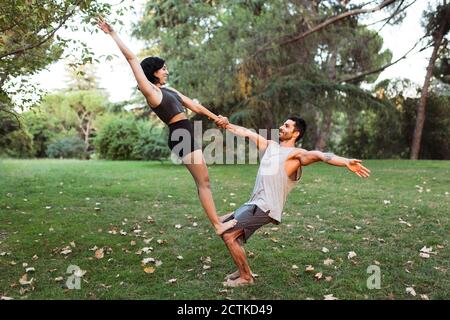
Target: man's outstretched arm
261, 142
354, 165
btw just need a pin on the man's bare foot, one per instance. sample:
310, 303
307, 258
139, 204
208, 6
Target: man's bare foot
233, 276
237, 274
225, 226
224, 217
238, 282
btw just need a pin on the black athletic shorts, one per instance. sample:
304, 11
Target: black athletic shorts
181, 136
250, 217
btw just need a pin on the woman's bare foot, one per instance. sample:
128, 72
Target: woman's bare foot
225, 226
238, 282
224, 217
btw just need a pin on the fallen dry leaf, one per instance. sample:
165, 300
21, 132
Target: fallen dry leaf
24, 280
149, 270
59, 279
329, 297
325, 250
404, 222
66, 251
411, 291
99, 254
172, 280
351, 255
309, 268
318, 275
294, 266
328, 262
147, 260
328, 279
424, 297
426, 250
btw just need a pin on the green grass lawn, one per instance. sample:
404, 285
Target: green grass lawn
47, 208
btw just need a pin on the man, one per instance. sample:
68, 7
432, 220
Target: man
279, 171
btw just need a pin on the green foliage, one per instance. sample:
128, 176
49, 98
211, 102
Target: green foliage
68, 147
117, 139
16, 144
228, 55
151, 143
128, 139
387, 132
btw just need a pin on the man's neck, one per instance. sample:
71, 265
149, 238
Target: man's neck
288, 143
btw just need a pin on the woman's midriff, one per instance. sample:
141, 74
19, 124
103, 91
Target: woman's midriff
178, 117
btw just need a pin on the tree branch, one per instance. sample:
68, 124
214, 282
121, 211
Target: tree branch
327, 22
364, 74
341, 16
11, 113
46, 37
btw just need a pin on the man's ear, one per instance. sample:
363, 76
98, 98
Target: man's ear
296, 134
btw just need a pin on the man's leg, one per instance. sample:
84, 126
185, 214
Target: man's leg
231, 240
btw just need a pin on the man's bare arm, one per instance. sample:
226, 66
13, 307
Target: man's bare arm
261, 142
354, 165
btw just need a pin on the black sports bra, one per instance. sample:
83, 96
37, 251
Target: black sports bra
170, 106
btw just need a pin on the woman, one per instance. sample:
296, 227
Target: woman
151, 74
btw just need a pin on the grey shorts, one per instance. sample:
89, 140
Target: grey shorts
250, 218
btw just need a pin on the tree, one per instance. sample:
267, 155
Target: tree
29, 40
237, 57
437, 27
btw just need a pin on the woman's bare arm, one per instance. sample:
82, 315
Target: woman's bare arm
151, 92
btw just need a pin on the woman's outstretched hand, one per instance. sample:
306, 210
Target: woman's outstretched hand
104, 26
222, 122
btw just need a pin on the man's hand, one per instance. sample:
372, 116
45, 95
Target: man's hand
222, 122
104, 26
355, 166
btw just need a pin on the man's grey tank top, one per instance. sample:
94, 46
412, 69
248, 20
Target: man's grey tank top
272, 184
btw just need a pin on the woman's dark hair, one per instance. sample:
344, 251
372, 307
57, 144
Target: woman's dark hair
300, 125
150, 65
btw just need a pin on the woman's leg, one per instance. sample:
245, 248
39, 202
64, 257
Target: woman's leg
195, 162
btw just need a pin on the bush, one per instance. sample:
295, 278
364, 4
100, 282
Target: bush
68, 147
117, 140
16, 144
128, 139
152, 142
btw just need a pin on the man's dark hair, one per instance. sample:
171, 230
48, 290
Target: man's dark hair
150, 65
300, 126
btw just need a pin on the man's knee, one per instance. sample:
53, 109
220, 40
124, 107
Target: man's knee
203, 182
231, 236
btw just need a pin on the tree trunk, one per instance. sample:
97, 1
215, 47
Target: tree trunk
421, 108
323, 132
